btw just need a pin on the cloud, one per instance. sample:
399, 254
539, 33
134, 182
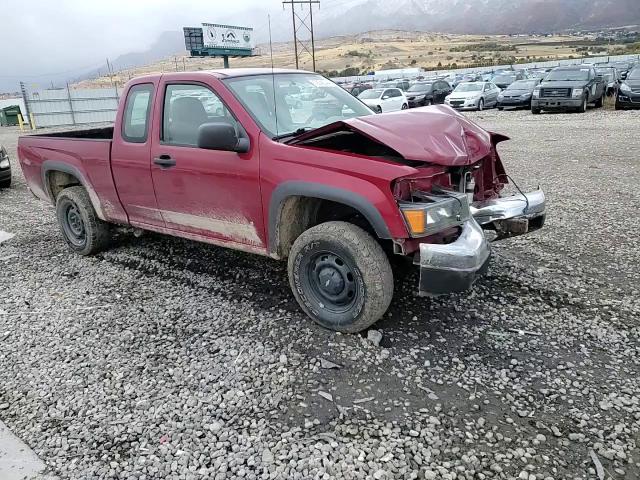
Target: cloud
45, 39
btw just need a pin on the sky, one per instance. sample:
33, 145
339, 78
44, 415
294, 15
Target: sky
44, 39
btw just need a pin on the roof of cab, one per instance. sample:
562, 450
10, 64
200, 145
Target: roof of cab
245, 72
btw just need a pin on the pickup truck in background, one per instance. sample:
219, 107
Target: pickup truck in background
224, 157
569, 88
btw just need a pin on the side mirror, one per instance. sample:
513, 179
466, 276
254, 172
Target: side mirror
221, 136
385, 97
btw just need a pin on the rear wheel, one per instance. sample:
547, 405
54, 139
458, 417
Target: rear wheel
618, 106
340, 276
600, 101
5, 183
83, 231
535, 110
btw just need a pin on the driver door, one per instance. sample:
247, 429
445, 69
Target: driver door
208, 193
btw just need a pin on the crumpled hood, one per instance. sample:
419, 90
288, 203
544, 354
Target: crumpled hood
437, 135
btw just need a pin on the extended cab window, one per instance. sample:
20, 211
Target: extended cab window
186, 107
135, 125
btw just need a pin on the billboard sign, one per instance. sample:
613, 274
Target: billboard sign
227, 36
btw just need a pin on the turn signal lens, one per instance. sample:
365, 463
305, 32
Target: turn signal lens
415, 220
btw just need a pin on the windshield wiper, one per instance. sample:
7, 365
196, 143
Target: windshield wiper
295, 133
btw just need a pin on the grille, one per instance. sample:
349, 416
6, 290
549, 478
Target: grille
457, 103
635, 89
555, 92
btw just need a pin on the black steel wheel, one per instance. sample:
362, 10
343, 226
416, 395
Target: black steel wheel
83, 231
340, 276
72, 224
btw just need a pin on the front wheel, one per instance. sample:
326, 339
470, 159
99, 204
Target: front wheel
378, 109
404, 106
583, 106
535, 110
5, 183
481, 105
340, 276
83, 231
600, 102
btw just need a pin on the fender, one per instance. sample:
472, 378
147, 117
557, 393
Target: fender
54, 166
318, 190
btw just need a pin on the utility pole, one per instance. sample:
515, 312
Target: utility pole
303, 24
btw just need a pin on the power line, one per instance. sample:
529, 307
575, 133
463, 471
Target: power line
300, 23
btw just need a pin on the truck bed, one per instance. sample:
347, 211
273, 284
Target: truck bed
105, 133
84, 155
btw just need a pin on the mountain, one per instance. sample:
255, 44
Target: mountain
481, 16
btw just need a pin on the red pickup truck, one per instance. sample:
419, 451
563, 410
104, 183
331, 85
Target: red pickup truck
287, 164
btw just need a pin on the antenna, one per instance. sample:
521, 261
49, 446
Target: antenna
273, 78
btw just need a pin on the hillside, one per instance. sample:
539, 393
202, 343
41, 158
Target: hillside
384, 49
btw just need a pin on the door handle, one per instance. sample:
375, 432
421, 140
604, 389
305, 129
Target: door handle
164, 161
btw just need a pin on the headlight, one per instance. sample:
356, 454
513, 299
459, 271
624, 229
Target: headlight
501, 97
577, 92
435, 213
536, 93
625, 88
4, 163
524, 96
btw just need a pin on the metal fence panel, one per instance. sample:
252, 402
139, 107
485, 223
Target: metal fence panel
66, 106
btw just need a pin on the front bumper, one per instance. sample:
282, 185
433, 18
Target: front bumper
464, 106
514, 103
454, 267
556, 103
628, 99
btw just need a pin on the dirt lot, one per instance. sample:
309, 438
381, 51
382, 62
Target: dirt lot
163, 358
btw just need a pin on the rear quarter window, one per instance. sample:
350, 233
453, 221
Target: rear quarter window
135, 123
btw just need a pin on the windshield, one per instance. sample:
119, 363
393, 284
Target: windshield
369, 94
469, 87
300, 101
568, 75
420, 87
634, 74
522, 85
504, 78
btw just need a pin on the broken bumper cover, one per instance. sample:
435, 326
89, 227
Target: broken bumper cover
454, 267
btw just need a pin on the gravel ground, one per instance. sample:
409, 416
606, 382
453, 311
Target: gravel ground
164, 358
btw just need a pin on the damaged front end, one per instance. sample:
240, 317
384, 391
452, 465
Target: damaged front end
447, 213
453, 196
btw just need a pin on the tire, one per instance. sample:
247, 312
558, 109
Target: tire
536, 111
362, 278
5, 183
600, 102
378, 109
481, 105
428, 103
618, 106
81, 228
500, 108
404, 106
583, 107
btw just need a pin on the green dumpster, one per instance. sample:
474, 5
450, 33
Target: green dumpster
9, 115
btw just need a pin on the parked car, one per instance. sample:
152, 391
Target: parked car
473, 96
504, 79
629, 91
569, 88
611, 78
5, 168
402, 84
427, 93
518, 94
384, 100
623, 67
358, 88
329, 196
